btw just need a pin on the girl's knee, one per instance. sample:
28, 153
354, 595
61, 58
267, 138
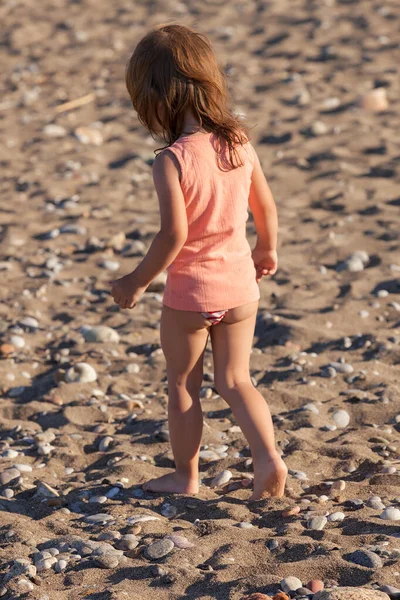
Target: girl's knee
231, 382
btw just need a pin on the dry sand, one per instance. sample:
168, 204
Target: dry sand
302, 72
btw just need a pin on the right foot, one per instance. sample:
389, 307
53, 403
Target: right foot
269, 478
173, 483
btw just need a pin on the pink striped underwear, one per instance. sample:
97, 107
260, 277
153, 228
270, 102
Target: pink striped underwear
215, 316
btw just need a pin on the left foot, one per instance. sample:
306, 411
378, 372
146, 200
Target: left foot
269, 478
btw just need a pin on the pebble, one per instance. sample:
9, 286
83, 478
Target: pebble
9, 475
290, 512
366, 558
376, 100
99, 519
61, 565
290, 584
44, 564
318, 128
98, 499
336, 516
207, 456
107, 561
221, 479
17, 341
180, 541
110, 265
100, 334
81, 373
29, 323
10, 453
341, 418
141, 519
315, 585
89, 135
391, 514
54, 131
105, 443
128, 542
375, 502
23, 468
317, 523
341, 367
159, 549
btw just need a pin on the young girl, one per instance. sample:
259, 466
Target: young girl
205, 177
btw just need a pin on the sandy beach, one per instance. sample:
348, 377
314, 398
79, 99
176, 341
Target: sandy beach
83, 410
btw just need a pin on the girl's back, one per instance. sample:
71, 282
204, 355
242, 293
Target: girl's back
214, 269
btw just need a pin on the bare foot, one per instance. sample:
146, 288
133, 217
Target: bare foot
269, 478
173, 483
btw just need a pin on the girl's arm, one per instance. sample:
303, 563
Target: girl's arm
263, 208
174, 227
127, 290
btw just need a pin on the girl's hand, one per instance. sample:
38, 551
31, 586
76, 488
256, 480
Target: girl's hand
126, 291
265, 262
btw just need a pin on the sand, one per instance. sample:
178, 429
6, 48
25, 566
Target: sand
78, 208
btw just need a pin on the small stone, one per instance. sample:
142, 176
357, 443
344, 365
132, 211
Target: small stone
221, 479
375, 502
318, 128
317, 523
89, 135
141, 519
29, 323
290, 512
128, 542
342, 367
6, 350
110, 265
159, 549
207, 456
10, 453
376, 100
366, 558
61, 565
54, 131
391, 514
180, 541
105, 443
290, 584
98, 499
336, 516
44, 564
315, 585
9, 475
272, 544
99, 519
107, 561
100, 334
17, 341
341, 418
81, 373
25, 585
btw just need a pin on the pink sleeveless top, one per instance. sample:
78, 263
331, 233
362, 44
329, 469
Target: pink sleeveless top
214, 269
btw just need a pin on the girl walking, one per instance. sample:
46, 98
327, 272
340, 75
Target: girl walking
206, 177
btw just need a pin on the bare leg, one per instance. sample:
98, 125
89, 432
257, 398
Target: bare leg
231, 342
184, 337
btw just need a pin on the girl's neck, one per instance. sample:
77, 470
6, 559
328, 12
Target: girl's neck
191, 125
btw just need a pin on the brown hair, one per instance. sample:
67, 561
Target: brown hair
175, 67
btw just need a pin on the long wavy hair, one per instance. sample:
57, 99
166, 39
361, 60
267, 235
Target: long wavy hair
173, 70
